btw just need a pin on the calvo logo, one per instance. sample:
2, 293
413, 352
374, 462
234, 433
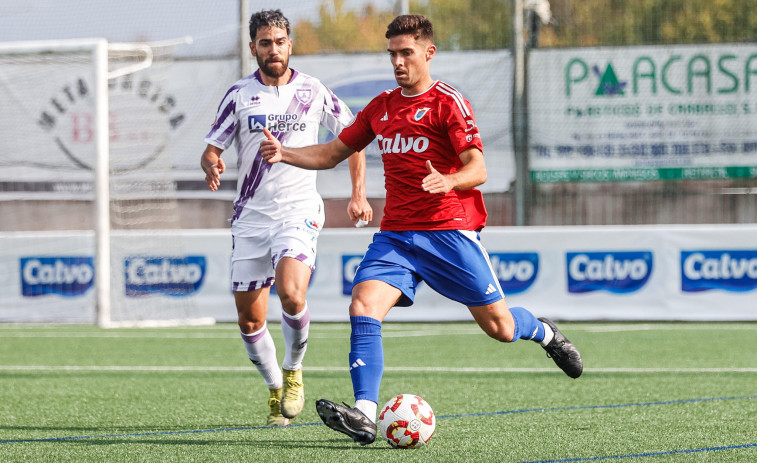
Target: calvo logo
617, 272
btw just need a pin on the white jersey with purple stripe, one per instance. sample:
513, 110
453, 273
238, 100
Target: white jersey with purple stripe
293, 113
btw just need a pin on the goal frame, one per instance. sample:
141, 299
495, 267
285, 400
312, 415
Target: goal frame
98, 48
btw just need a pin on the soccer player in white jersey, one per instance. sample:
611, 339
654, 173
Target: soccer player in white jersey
433, 160
278, 213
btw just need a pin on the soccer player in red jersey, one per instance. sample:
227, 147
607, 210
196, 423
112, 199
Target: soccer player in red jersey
433, 160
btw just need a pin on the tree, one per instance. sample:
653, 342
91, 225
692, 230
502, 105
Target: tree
343, 31
458, 25
650, 22
468, 25
487, 24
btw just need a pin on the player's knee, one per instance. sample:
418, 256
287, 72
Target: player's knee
293, 302
249, 324
359, 308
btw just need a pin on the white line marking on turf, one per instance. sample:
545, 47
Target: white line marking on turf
109, 334
621, 327
232, 334
412, 368
390, 331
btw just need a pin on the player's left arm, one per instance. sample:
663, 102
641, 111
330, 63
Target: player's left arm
472, 174
359, 210
335, 117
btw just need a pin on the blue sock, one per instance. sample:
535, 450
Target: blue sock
526, 325
366, 358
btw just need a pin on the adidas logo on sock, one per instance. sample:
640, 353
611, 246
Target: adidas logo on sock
357, 363
490, 289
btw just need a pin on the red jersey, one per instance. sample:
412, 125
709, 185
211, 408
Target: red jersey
436, 125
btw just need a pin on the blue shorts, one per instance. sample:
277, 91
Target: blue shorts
452, 262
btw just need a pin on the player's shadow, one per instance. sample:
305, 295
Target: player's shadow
165, 435
325, 444
99, 430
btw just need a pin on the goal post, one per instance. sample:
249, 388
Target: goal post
84, 111
102, 186
97, 49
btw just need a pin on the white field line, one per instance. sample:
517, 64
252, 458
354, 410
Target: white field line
232, 334
612, 328
161, 368
117, 334
317, 331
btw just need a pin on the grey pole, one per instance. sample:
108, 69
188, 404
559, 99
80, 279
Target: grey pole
404, 6
244, 39
520, 116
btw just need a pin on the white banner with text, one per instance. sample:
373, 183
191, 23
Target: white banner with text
568, 273
159, 117
643, 113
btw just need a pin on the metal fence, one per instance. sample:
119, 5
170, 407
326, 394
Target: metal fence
614, 29
530, 29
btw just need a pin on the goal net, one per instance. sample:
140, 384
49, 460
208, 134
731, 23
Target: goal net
86, 189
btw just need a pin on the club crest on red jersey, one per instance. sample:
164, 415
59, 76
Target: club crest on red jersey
420, 113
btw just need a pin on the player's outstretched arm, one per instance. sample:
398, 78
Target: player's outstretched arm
314, 157
359, 209
213, 166
472, 174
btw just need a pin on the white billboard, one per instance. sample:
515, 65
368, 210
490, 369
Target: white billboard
643, 113
159, 117
569, 273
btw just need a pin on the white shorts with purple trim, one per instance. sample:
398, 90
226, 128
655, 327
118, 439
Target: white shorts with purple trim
254, 257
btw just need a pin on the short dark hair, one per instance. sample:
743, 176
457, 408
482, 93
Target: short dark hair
271, 18
414, 24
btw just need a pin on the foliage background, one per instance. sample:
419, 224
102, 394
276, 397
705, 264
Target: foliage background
487, 24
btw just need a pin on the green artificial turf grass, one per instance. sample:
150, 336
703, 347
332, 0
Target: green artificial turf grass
648, 389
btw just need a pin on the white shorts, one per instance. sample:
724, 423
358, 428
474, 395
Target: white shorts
254, 257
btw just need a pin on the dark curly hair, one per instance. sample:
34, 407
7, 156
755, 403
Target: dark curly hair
416, 25
272, 18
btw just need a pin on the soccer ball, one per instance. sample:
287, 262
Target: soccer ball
407, 422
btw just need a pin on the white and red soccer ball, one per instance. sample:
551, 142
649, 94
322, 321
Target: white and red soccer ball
407, 422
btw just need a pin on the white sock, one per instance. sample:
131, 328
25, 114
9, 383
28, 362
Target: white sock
548, 335
262, 352
295, 329
368, 407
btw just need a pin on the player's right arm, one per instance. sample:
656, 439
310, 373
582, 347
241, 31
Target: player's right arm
222, 132
314, 157
213, 166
